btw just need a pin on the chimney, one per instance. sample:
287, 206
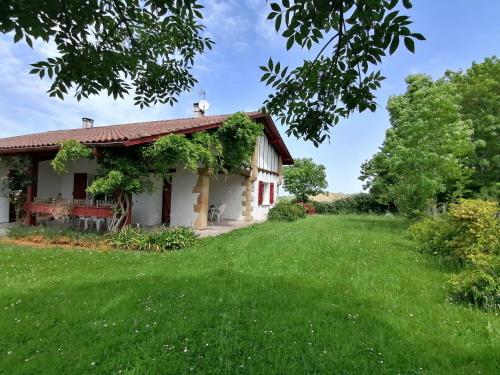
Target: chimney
87, 123
197, 111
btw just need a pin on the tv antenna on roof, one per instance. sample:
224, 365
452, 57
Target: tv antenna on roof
203, 94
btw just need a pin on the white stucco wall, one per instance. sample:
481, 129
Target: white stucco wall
147, 207
4, 201
268, 159
183, 198
260, 211
228, 190
78, 166
50, 184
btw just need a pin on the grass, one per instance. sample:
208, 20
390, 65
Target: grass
337, 294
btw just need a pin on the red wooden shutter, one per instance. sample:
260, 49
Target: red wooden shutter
271, 193
261, 192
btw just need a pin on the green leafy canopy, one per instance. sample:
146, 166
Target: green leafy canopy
117, 46
147, 49
305, 179
352, 37
423, 158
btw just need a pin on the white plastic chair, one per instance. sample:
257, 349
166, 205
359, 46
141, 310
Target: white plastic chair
219, 212
85, 221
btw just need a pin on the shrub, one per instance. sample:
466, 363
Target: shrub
469, 228
432, 235
286, 211
139, 239
59, 236
478, 285
468, 233
355, 204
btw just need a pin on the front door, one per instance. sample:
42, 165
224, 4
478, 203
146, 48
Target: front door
167, 201
79, 186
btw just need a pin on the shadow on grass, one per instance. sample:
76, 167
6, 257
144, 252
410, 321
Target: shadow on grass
224, 323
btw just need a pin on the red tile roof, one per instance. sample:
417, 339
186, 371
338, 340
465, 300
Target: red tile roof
132, 134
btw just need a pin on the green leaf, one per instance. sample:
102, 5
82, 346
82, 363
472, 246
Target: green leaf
410, 44
277, 23
18, 36
394, 44
29, 41
418, 36
407, 4
289, 43
275, 7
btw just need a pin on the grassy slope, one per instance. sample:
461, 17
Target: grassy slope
343, 295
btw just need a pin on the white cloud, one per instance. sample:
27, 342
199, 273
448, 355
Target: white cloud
223, 18
265, 29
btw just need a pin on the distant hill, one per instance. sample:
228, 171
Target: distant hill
329, 197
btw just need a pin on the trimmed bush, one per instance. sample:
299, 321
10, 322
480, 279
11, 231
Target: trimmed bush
286, 211
139, 239
469, 233
355, 204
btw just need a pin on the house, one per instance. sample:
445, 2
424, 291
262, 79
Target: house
184, 200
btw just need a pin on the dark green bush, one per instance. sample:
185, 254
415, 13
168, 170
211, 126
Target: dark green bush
286, 211
469, 234
355, 204
478, 285
139, 239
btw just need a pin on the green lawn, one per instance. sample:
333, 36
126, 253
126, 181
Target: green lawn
326, 295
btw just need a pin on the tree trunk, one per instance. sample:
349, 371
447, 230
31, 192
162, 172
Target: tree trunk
121, 212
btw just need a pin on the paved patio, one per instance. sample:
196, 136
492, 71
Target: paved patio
225, 226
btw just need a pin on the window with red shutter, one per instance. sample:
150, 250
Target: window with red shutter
261, 192
271, 193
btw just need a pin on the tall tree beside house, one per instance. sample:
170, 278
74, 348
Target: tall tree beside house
147, 49
305, 179
123, 173
423, 160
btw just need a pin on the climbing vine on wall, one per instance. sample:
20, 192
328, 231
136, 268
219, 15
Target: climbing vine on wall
13, 185
70, 150
237, 136
123, 173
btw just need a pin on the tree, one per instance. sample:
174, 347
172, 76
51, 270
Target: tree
354, 35
148, 48
119, 46
479, 88
423, 158
305, 179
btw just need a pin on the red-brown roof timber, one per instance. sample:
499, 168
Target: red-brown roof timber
127, 135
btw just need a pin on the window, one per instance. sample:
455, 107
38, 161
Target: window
266, 193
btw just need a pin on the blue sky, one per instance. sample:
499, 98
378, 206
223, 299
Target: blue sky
458, 32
